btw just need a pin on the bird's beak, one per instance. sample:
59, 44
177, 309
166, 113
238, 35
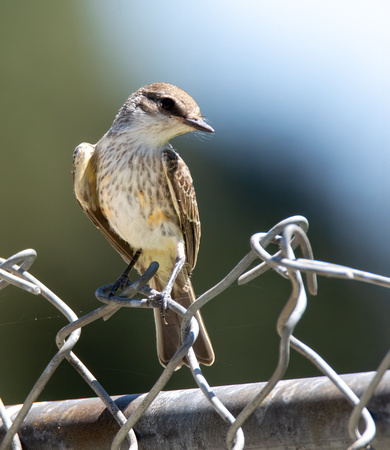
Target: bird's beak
198, 124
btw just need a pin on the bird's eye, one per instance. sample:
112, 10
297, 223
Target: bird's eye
167, 103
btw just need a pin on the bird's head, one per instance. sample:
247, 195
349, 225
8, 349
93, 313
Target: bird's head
158, 112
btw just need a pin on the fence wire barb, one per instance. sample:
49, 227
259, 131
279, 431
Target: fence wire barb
288, 235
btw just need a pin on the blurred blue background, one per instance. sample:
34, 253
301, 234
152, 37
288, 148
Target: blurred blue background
298, 93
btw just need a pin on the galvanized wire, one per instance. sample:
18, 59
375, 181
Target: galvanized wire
288, 235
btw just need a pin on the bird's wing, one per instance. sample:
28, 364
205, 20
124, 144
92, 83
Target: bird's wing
84, 184
184, 199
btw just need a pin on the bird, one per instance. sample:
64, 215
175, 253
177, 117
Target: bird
139, 192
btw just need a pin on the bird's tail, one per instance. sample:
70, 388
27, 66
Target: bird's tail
168, 328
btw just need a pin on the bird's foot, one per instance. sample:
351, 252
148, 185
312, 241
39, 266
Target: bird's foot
160, 300
120, 284
123, 281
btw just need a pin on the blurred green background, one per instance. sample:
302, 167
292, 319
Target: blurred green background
298, 93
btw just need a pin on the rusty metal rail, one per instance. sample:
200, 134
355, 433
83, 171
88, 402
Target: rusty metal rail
308, 413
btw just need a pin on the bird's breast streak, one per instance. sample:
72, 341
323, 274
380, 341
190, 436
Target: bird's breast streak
139, 208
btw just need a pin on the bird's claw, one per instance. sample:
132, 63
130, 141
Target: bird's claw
160, 300
120, 285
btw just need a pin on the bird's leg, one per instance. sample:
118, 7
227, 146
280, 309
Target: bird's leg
123, 280
166, 292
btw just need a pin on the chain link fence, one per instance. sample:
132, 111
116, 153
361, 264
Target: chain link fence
288, 235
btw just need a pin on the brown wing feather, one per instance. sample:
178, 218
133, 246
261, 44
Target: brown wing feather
84, 184
184, 198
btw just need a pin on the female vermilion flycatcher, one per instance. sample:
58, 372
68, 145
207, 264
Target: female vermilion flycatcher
139, 192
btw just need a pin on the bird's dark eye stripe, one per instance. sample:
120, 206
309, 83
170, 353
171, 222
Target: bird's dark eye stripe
167, 103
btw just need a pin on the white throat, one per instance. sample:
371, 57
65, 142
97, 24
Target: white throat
148, 130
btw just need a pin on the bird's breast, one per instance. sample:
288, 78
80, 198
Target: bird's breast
134, 196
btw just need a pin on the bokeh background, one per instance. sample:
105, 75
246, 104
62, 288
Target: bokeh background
298, 93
